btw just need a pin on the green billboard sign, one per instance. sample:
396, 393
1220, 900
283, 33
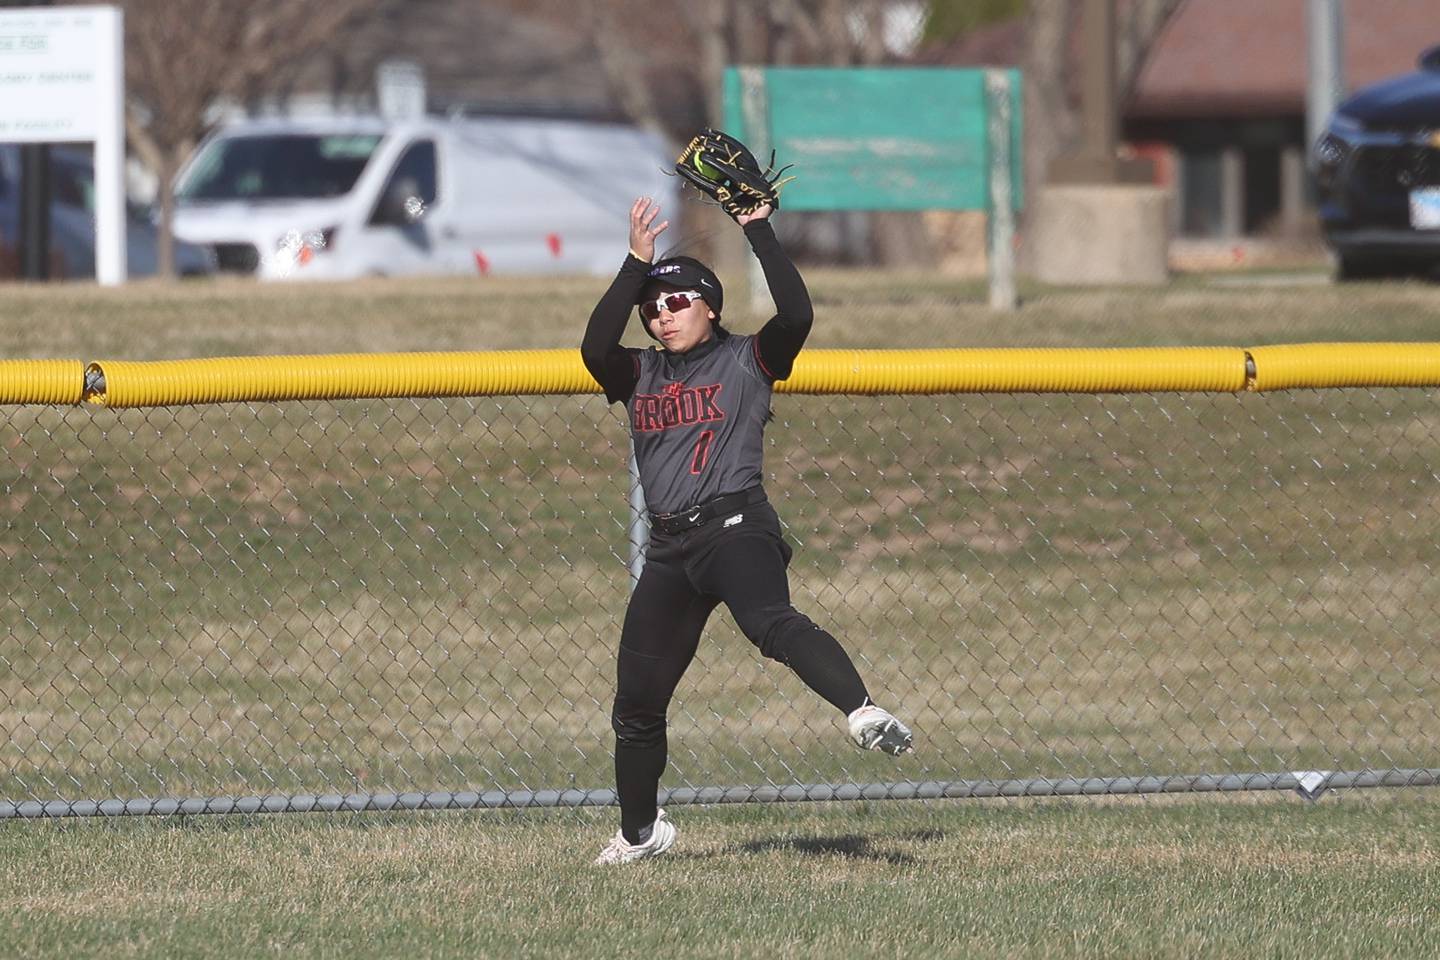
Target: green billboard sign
879, 138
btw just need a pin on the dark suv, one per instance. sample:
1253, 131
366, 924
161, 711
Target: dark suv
72, 220
1377, 170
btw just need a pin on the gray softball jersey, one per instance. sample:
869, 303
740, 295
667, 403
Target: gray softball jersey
698, 422
698, 418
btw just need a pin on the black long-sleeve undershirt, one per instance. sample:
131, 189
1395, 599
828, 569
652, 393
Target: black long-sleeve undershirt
610, 364
784, 334
779, 341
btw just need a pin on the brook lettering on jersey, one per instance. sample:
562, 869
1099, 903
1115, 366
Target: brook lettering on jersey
677, 406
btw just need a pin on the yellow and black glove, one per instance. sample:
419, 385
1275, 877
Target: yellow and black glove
726, 172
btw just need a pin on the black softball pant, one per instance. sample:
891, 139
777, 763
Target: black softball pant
740, 563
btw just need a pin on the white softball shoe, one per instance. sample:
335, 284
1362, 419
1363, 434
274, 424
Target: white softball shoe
620, 850
874, 728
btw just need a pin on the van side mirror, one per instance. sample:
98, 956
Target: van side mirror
1429, 59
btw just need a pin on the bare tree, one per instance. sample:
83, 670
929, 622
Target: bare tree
1051, 114
181, 59
685, 47
1140, 28
668, 76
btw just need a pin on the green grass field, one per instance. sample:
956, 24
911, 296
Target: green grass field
382, 596
1202, 877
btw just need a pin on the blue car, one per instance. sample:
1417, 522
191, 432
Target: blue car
1377, 173
72, 220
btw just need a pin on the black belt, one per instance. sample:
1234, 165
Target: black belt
703, 512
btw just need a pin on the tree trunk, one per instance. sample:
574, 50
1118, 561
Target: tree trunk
165, 198
1052, 121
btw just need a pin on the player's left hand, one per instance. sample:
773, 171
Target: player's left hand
761, 212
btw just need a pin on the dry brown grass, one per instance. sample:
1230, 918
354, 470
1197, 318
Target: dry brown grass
151, 320
426, 594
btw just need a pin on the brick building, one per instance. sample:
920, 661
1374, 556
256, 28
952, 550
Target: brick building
1220, 100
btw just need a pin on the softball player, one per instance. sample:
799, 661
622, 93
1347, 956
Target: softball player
697, 410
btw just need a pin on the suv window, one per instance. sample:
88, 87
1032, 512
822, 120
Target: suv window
72, 180
72, 185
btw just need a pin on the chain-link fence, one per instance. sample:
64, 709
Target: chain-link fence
379, 603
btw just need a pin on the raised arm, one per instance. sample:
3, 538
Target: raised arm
610, 364
780, 340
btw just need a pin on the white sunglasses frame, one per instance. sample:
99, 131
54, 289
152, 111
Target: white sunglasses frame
659, 302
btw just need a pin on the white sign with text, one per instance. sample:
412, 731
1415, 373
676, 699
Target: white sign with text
62, 80
53, 82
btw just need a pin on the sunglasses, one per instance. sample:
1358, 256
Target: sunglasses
674, 302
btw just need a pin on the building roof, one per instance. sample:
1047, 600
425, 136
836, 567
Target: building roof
1248, 57
993, 45
1227, 58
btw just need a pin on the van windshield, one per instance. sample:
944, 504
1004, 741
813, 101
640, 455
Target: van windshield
278, 167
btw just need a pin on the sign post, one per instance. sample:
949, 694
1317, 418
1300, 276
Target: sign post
62, 80
1001, 222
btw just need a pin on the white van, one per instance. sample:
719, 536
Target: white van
348, 197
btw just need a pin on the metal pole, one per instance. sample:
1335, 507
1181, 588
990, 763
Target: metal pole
1325, 87
1002, 210
639, 533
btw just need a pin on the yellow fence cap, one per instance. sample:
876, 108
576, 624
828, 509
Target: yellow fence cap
42, 381
1026, 370
340, 376
1319, 365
